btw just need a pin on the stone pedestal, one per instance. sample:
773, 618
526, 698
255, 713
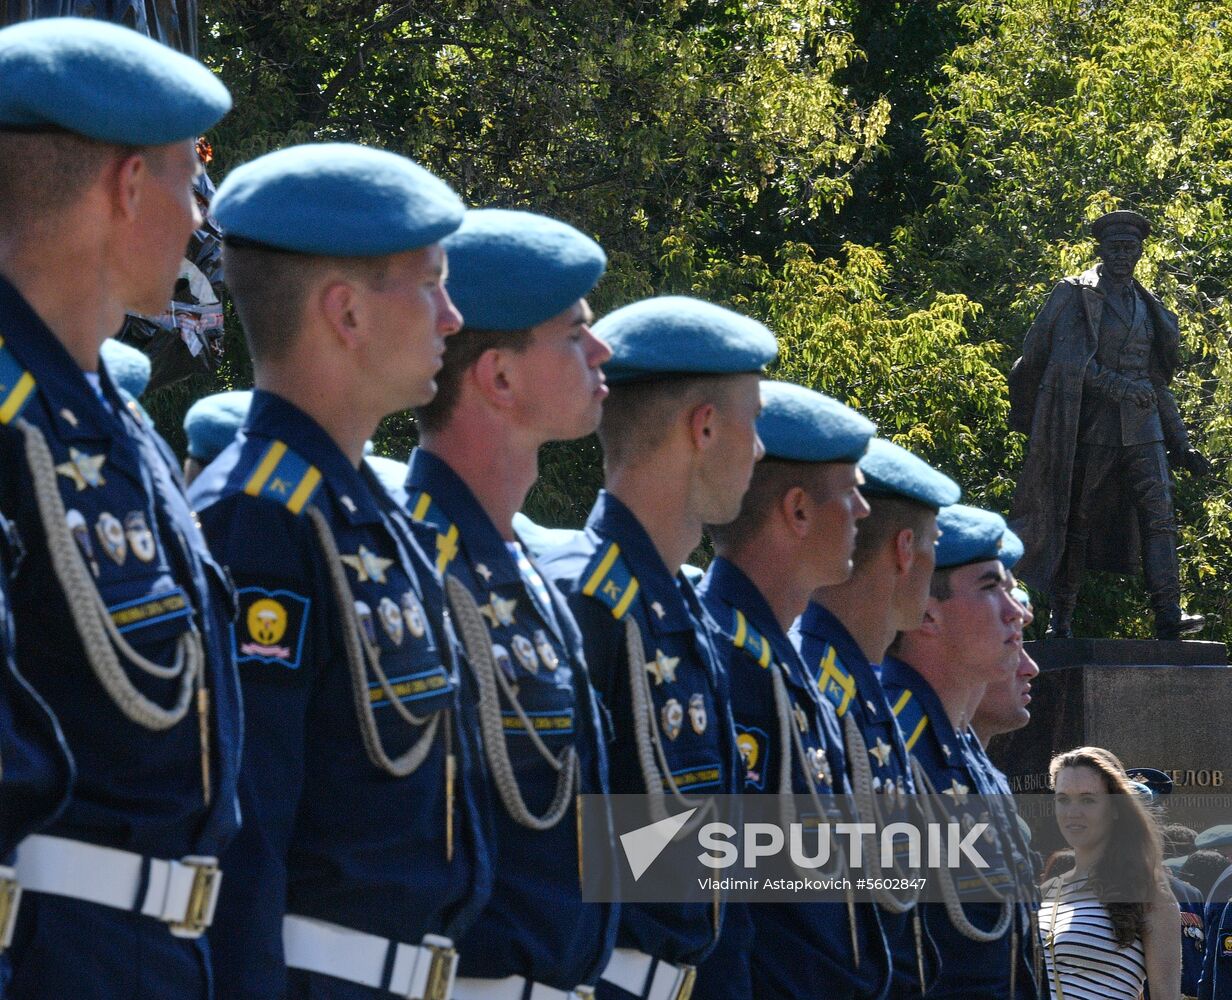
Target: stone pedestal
1154, 704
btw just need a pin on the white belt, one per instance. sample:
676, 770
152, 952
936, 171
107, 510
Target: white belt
420, 971
630, 970
10, 897
514, 988
182, 894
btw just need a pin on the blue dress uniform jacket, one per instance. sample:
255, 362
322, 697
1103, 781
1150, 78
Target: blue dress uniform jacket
160, 793
536, 924
331, 833
844, 676
798, 949
613, 571
1216, 981
953, 766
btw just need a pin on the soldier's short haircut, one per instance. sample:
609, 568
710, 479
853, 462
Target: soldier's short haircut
462, 350
44, 174
270, 288
772, 478
637, 416
887, 517
941, 587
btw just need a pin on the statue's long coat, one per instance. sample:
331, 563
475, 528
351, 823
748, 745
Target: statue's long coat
1046, 387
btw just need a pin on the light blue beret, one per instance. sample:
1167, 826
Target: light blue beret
677, 335
104, 82
891, 471
800, 425
212, 422
128, 367
336, 200
510, 270
968, 534
1011, 549
1215, 836
1174, 865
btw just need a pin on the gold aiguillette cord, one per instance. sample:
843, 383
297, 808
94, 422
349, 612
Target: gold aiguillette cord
203, 732
919, 947
451, 772
577, 808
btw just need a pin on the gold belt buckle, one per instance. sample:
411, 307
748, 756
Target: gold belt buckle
584, 992
440, 972
688, 978
201, 898
10, 897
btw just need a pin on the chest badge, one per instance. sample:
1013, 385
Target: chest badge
140, 537
368, 565
499, 611
483, 571
525, 652
819, 766
697, 713
880, 752
111, 536
957, 791
797, 713
501, 655
412, 614
663, 668
84, 470
671, 718
657, 608
366, 622
391, 619
81, 535
546, 651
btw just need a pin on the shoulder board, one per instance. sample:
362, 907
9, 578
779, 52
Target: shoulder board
834, 680
745, 637
912, 719
283, 477
16, 386
608, 580
425, 510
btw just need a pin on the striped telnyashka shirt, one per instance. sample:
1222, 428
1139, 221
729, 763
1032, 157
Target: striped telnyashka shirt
1078, 938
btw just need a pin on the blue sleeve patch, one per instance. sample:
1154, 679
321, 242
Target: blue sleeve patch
270, 627
754, 747
912, 719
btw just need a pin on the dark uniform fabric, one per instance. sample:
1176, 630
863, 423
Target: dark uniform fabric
1193, 935
37, 769
798, 949
844, 676
610, 572
954, 767
136, 789
329, 834
536, 924
1216, 982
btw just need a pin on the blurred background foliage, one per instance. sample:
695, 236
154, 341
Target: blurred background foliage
893, 187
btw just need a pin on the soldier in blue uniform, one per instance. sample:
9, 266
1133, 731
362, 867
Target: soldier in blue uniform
524, 370
934, 677
120, 612
364, 852
796, 532
211, 424
679, 442
843, 635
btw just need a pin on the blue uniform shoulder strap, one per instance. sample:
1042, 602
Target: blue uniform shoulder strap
609, 580
16, 386
425, 510
283, 477
912, 719
747, 638
834, 680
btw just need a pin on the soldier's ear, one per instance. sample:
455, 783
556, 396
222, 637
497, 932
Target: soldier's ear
904, 550
339, 306
702, 419
797, 513
126, 178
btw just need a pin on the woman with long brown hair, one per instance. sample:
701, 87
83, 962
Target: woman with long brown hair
1112, 924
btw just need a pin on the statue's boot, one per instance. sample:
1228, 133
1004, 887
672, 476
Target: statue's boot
1066, 583
1060, 623
1163, 583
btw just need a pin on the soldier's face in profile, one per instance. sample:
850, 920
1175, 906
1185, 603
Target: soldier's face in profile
1003, 708
727, 465
1120, 255
837, 508
412, 314
167, 215
982, 621
912, 598
560, 386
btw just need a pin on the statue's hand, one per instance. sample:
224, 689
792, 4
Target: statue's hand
1142, 394
1197, 463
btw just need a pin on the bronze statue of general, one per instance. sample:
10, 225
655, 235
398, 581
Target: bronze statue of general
1091, 390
